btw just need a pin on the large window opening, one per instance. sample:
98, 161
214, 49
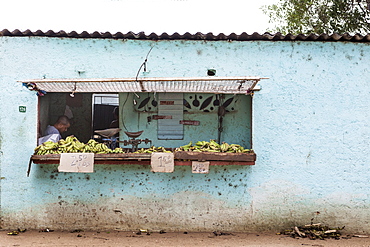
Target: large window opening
160, 112
169, 111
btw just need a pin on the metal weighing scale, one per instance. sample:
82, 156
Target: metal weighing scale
133, 141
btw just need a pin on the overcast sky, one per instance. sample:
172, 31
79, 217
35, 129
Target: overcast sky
149, 16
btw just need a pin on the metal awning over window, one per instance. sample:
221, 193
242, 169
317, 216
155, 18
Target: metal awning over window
225, 85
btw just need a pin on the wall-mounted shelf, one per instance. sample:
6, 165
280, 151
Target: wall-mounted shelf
181, 158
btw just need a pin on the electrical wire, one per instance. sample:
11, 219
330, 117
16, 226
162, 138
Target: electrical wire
144, 63
123, 106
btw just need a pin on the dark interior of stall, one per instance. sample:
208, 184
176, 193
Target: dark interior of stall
88, 112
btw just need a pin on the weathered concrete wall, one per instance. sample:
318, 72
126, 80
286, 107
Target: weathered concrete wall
310, 133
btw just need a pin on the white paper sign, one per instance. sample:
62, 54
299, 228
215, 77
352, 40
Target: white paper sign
162, 162
76, 162
200, 167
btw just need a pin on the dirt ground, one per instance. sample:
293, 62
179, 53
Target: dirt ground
122, 239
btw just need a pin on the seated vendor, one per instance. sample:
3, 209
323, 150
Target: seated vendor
53, 132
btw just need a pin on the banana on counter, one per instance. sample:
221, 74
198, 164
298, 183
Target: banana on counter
213, 146
72, 145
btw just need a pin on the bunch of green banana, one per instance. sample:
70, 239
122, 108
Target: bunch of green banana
93, 146
48, 147
72, 145
204, 146
235, 148
213, 146
152, 149
117, 151
186, 147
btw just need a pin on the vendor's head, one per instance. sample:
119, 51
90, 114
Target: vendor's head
62, 124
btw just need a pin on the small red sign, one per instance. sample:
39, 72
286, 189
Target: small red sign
189, 122
156, 117
164, 102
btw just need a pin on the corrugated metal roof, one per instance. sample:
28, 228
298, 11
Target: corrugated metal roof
188, 36
211, 84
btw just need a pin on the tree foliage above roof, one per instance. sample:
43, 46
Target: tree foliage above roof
320, 16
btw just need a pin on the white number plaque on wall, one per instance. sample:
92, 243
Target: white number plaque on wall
76, 162
200, 166
162, 162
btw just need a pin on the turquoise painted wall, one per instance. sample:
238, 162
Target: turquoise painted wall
310, 133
